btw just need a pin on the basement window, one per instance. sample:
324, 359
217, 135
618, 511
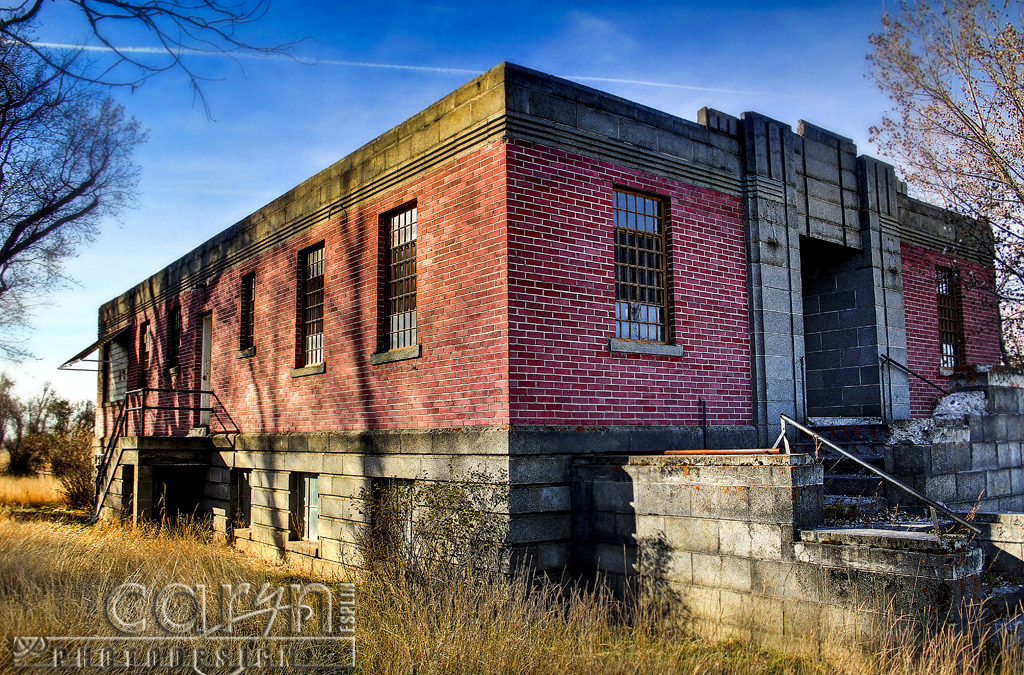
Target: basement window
641, 309
241, 498
305, 507
951, 318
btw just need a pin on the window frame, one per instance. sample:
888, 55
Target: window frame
304, 354
621, 233
241, 498
950, 315
304, 507
392, 229
247, 313
172, 342
144, 352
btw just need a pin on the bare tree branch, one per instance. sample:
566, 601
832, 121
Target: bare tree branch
954, 72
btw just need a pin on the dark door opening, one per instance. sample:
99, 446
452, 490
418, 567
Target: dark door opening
840, 332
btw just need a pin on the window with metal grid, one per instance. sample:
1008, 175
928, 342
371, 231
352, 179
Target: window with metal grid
311, 313
641, 310
400, 288
173, 347
144, 351
248, 313
951, 317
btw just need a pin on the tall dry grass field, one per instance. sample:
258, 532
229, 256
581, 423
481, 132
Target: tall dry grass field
54, 578
29, 491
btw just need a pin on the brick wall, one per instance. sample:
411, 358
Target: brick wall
562, 299
981, 319
461, 379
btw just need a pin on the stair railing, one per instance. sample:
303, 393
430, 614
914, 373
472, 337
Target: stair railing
934, 506
104, 477
885, 359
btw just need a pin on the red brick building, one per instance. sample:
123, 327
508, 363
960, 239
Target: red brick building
525, 273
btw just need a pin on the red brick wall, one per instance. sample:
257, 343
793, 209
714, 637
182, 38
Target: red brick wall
462, 377
981, 319
562, 299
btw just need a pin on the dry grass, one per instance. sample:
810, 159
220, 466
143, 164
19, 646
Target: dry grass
29, 491
54, 578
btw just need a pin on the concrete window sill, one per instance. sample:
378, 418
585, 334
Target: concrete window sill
173, 370
314, 369
246, 353
303, 547
403, 354
634, 347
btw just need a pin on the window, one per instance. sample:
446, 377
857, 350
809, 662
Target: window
241, 497
400, 282
951, 318
144, 351
311, 306
305, 507
173, 346
117, 370
391, 516
248, 312
641, 311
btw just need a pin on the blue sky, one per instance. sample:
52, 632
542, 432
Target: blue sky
278, 121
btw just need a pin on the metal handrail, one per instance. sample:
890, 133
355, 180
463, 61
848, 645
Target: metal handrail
934, 505
104, 477
143, 407
885, 357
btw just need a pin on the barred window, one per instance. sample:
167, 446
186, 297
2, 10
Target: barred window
311, 305
172, 349
400, 286
951, 317
248, 312
641, 310
144, 351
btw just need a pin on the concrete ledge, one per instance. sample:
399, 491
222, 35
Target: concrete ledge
246, 353
635, 347
314, 369
403, 354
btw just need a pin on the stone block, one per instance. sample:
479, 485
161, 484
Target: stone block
984, 455
611, 496
970, 486
998, 483
720, 502
1009, 454
734, 538
692, 534
735, 574
941, 487
707, 570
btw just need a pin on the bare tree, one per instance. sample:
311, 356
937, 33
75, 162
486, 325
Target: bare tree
65, 163
954, 71
177, 29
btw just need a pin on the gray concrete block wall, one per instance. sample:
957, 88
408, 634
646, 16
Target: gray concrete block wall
733, 540
970, 461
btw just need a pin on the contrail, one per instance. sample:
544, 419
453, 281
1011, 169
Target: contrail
391, 66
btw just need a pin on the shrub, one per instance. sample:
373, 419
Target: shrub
72, 463
422, 529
